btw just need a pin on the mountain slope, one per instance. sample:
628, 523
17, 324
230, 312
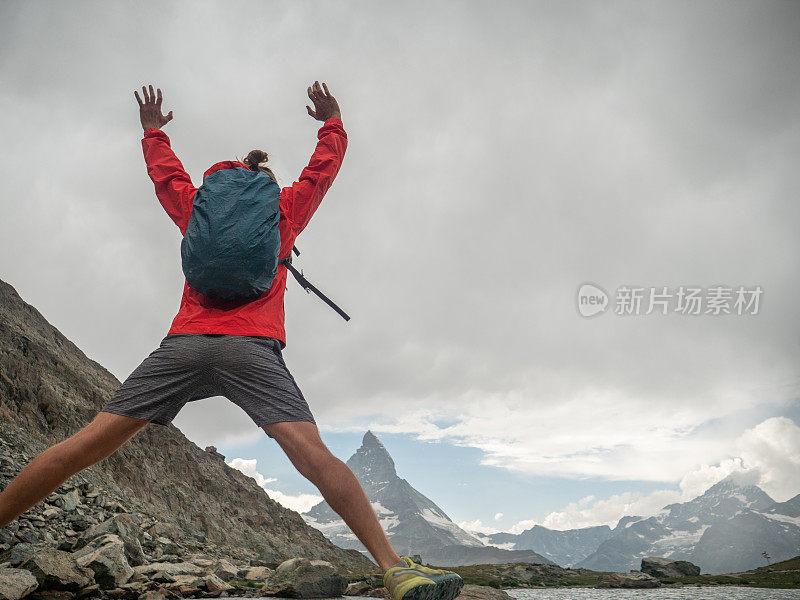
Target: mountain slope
49, 389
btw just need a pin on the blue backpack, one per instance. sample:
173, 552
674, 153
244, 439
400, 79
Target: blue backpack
230, 250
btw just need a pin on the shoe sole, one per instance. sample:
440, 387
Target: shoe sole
447, 589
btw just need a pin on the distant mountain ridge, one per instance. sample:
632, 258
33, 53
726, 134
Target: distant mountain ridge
723, 530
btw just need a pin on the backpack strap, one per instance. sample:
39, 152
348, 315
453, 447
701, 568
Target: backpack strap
308, 287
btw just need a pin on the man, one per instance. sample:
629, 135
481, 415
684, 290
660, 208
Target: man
233, 352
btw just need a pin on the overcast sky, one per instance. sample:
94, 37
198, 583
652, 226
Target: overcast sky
500, 155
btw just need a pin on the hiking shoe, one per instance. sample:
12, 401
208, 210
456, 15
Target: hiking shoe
415, 582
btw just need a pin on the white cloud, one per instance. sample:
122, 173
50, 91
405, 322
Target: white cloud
770, 458
248, 466
588, 512
498, 516
521, 526
478, 527
298, 502
773, 449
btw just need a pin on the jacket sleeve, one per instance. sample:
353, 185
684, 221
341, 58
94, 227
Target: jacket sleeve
174, 187
299, 201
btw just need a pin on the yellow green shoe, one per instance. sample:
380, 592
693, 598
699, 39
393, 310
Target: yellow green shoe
415, 582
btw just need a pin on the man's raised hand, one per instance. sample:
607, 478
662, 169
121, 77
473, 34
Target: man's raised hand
150, 109
325, 105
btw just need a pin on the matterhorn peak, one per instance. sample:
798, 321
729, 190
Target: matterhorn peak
372, 463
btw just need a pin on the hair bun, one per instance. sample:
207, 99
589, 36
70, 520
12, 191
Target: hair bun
254, 158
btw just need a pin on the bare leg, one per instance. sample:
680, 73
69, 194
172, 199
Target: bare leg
337, 484
51, 468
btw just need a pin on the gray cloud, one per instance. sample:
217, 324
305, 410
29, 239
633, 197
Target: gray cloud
500, 155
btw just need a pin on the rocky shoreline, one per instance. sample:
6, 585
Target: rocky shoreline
655, 572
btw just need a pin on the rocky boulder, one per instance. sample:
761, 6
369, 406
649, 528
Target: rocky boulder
215, 584
126, 527
106, 557
664, 568
225, 570
58, 570
16, 583
304, 578
634, 579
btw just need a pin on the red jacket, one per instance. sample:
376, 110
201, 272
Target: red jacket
265, 315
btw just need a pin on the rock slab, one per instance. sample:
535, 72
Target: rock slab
471, 591
58, 570
304, 578
666, 568
16, 583
634, 580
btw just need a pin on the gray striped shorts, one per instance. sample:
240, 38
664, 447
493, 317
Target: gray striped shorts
248, 370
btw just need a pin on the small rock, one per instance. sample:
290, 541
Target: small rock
168, 546
188, 580
380, 592
357, 588
6, 535
18, 554
482, 592
215, 584
213, 451
168, 530
51, 513
91, 591
255, 573
29, 536
70, 500
225, 570
203, 562
183, 568
16, 583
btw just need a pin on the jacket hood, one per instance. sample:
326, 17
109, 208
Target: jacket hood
225, 164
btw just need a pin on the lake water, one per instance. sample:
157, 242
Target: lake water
685, 593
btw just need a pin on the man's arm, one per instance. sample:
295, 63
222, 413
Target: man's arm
301, 200
174, 187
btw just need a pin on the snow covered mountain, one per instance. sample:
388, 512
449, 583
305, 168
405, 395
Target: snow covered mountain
724, 530
565, 548
413, 522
